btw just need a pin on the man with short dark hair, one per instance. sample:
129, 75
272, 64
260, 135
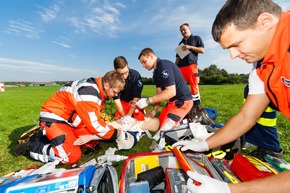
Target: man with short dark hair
126, 100
188, 64
170, 87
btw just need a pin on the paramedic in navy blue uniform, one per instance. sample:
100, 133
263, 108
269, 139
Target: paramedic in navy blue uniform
169, 86
188, 64
127, 98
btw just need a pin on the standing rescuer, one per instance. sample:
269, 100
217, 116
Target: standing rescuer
188, 64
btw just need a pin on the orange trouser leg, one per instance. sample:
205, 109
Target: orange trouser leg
190, 74
175, 110
62, 138
138, 113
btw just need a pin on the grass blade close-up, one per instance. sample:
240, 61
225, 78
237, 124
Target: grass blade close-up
20, 107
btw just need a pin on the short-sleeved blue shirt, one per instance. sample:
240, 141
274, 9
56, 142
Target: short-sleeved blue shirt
192, 57
168, 74
133, 87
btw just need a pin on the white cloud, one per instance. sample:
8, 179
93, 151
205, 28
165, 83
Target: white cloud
61, 44
23, 28
103, 20
49, 14
36, 67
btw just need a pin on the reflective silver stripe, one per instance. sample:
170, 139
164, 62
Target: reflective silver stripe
77, 121
51, 116
73, 89
63, 156
54, 116
196, 97
44, 157
94, 120
88, 98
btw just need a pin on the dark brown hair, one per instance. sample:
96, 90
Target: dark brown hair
145, 52
120, 62
243, 14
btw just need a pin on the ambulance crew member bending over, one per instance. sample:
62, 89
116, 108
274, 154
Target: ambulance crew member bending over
70, 118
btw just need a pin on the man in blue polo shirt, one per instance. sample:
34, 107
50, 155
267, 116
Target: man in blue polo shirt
188, 64
125, 101
169, 86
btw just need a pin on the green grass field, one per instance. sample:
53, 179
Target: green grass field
20, 107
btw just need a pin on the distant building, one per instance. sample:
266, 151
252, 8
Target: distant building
43, 84
2, 87
18, 85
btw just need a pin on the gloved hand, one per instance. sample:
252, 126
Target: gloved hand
208, 184
153, 113
126, 140
143, 102
200, 146
126, 120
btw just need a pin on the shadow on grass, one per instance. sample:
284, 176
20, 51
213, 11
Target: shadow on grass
15, 135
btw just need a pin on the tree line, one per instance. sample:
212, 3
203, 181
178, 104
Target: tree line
209, 76
213, 76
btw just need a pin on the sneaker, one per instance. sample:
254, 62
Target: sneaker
261, 152
22, 148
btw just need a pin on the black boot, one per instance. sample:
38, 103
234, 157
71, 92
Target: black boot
22, 148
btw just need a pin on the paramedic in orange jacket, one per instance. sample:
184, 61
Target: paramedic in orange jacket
71, 118
254, 31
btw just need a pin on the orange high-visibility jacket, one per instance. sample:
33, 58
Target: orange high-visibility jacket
275, 68
79, 104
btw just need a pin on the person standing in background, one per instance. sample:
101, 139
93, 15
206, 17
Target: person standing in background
188, 64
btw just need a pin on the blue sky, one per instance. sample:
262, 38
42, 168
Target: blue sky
72, 39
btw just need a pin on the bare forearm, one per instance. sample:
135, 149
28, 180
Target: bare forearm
232, 130
274, 184
132, 106
177, 60
197, 49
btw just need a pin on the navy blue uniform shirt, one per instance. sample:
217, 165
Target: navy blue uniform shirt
168, 74
192, 57
133, 87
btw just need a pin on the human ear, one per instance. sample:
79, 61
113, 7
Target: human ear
266, 21
106, 86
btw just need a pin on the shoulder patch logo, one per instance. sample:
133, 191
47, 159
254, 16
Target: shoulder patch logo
285, 81
139, 83
165, 74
